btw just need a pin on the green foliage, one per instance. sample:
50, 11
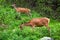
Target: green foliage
13, 32
46, 7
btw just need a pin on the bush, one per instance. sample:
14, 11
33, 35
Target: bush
13, 32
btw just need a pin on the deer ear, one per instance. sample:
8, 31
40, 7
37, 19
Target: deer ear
14, 3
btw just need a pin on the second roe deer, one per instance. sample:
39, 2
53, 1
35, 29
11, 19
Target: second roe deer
22, 10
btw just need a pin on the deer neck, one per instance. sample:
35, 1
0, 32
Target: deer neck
27, 24
15, 7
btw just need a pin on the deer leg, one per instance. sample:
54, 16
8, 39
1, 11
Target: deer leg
33, 26
19, 15
27, 14
48, 29
30, 14
21, 26
46, 25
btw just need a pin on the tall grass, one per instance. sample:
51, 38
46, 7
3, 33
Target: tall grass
12, 31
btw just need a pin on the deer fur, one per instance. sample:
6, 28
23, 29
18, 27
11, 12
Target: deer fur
37, 22
22, 10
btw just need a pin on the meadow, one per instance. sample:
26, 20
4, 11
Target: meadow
11, 31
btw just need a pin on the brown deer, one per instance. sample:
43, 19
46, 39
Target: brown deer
22, 10
37, 22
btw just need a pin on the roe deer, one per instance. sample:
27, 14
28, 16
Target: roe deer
22, 10
37, 22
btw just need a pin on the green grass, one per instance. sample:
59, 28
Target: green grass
12, 31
